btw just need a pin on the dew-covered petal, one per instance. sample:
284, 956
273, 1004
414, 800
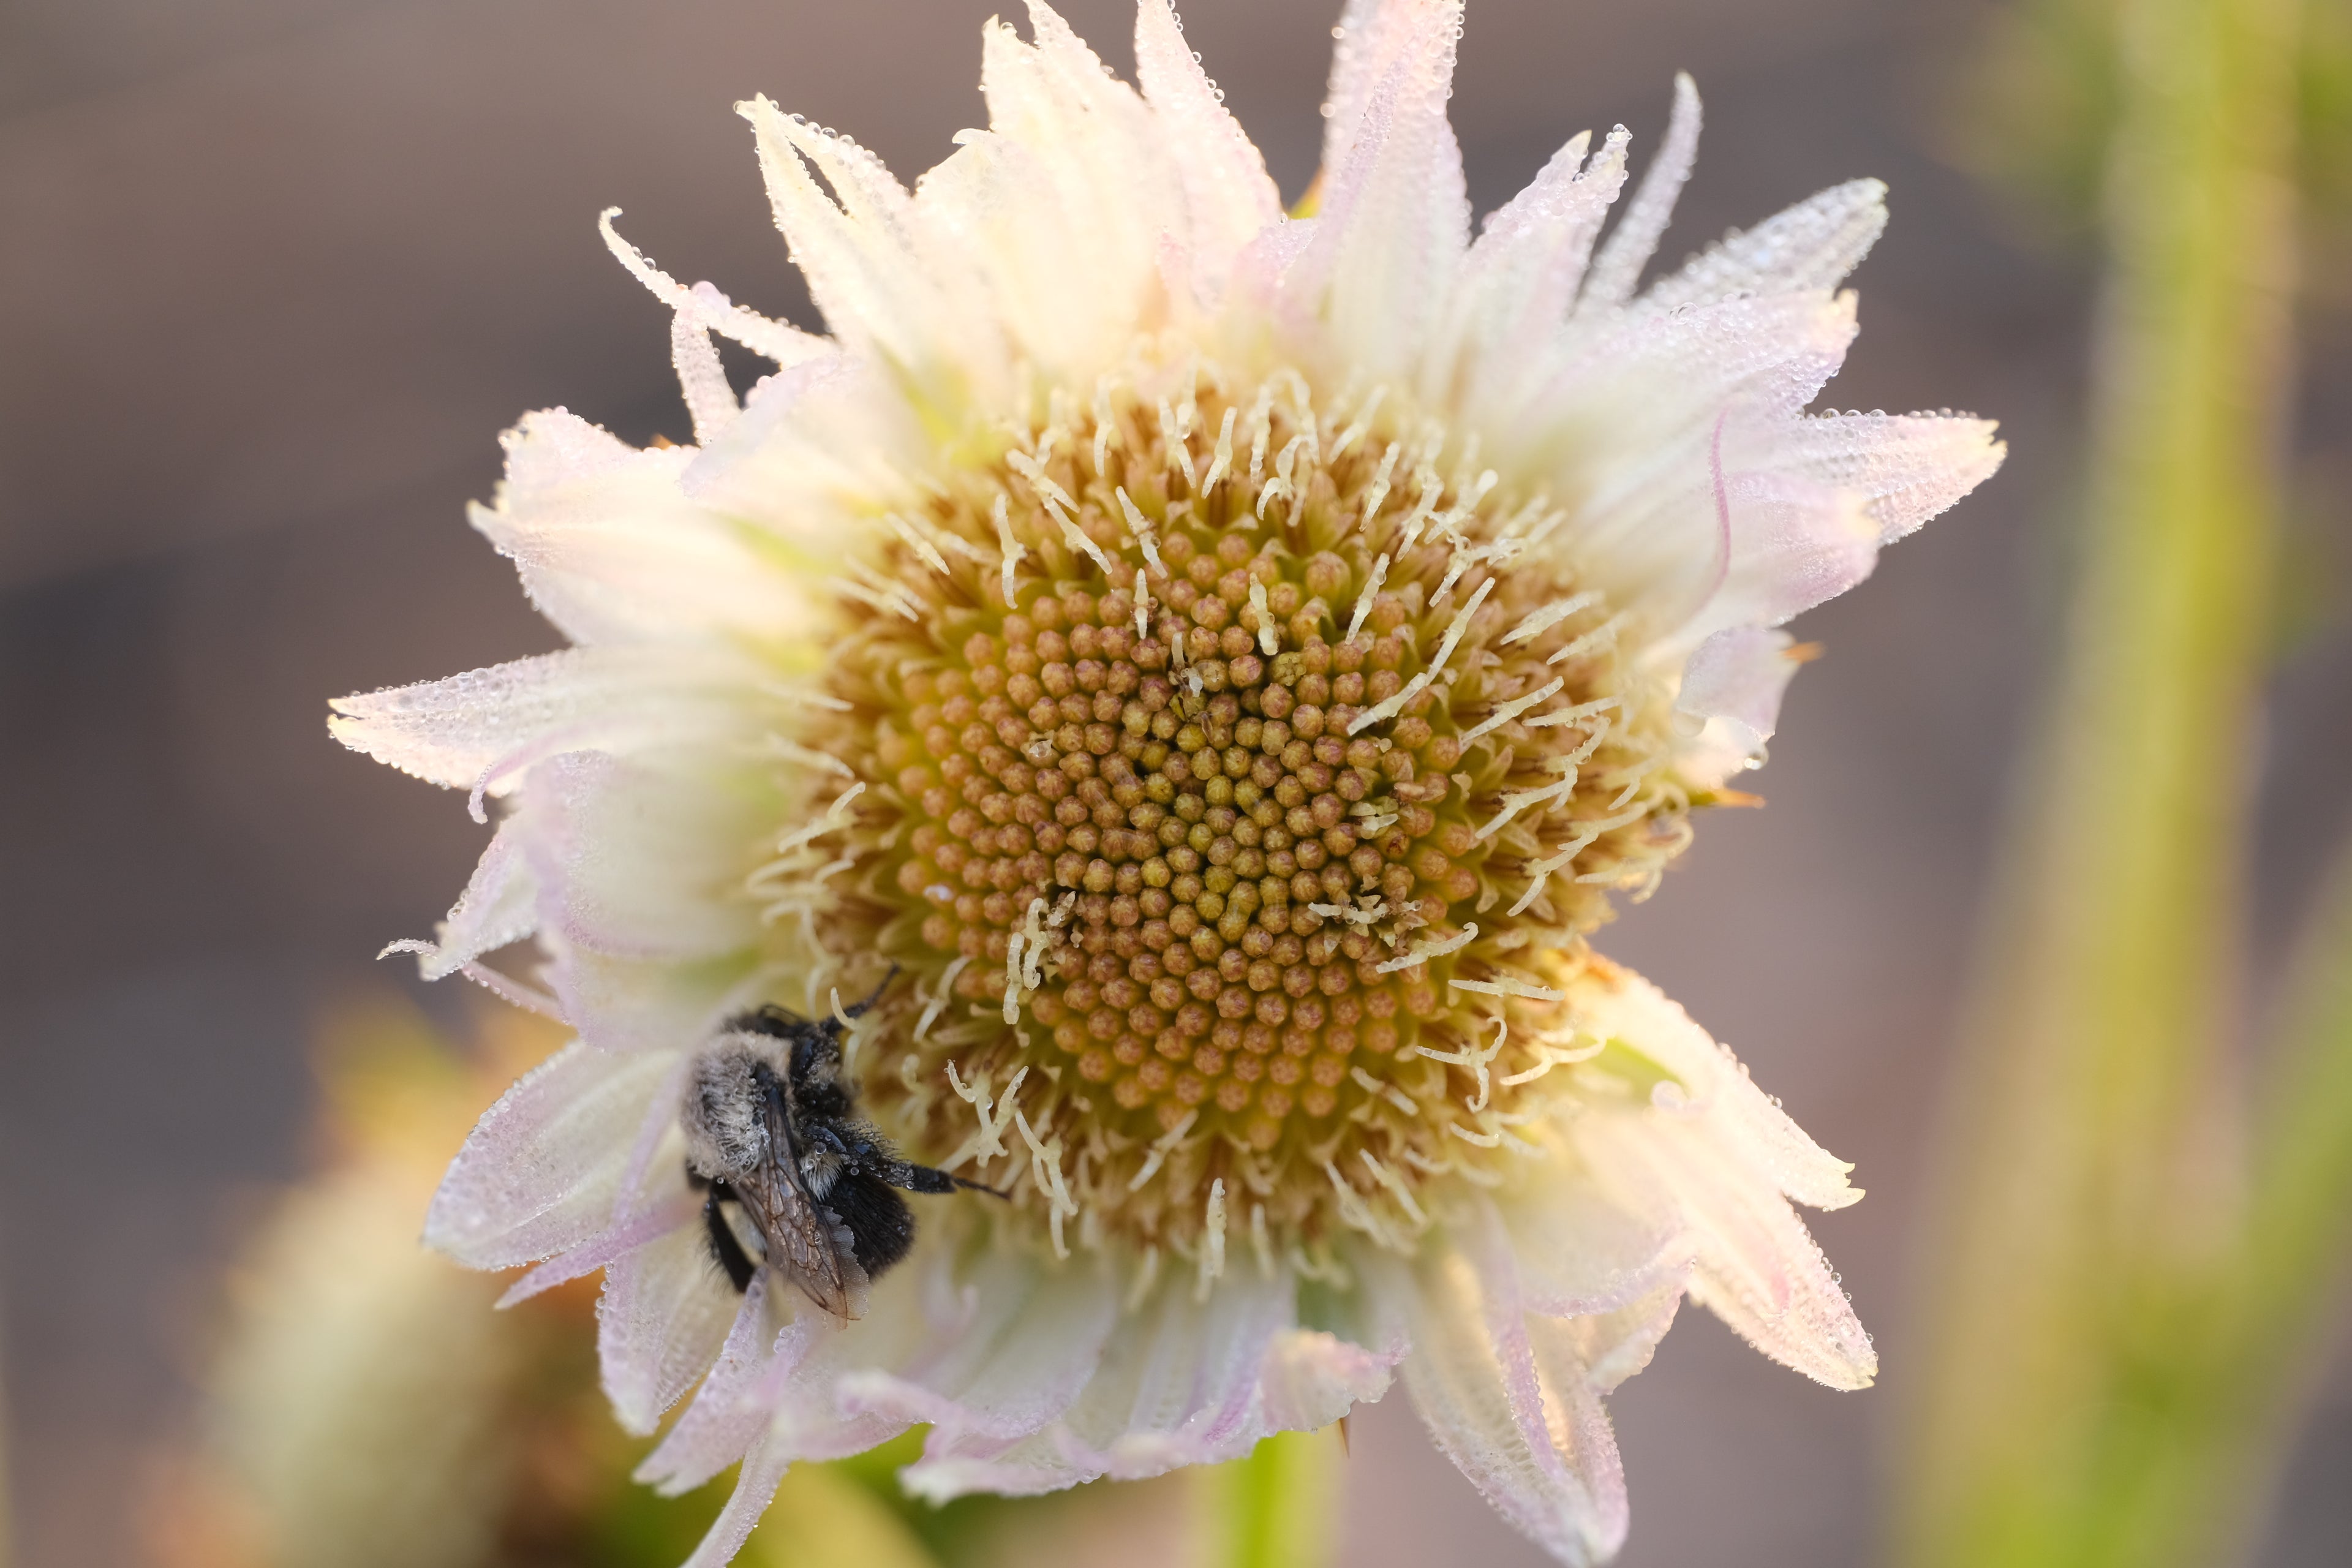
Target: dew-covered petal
1522, 274
1732, 684
645, 857
1809, 247
1371, 37
1756, 1269
630, 1005
820, 452
1527, 1432
1794, 544
1618, 269
1655, 467
1228, 195
611, 549
1905, 469
1312, 1377
499, 906
755, 1488
702, 384
543, 1168
484, 730
705, 309
1037, 1334
1178, 1384
731, 1409
658, 916
1062, 203
1190, 1397
1610, 1346
1738, 674
665, 1311
884, 284
1612, 1003
624, 1235
777, 1385
1579, 1250
1395, 216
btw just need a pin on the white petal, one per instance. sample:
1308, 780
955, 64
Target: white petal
755, 1488
1615, 1004
665, 1312
1522, 274
1611, 1346
1371, 36
1311, 1378
1634, 241
1663, 513
499, 906
543, 1168
645, 857
1794, 544
1665, 382
1906, 468
1179, 1384
1732, 685
705, 307
1193, 1397
730, 1411
611, 549
484, 728
1228, 195
632, 1004
1757, 1267
1812, 245
872, 265
1649, 425
1395, 217
624, 1235
1527, 1432
710, 400
819, 451
1062, 203
794, 1388
1580, 1251
1043, 1332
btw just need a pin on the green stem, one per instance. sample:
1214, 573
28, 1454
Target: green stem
2296, 1252
2087, 1199
1275, 1509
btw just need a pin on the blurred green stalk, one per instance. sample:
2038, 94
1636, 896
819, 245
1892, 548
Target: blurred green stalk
2108, 1298
1275, 1509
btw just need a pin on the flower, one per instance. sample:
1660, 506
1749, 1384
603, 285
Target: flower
1225, 661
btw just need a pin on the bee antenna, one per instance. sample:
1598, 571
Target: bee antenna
876, 996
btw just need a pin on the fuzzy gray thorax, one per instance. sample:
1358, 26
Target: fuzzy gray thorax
723, 1114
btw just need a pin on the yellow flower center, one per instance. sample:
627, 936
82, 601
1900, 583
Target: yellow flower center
1241, 781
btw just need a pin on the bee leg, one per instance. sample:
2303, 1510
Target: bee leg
724, 1246
917, 1178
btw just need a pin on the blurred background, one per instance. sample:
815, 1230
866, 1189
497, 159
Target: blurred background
274, 273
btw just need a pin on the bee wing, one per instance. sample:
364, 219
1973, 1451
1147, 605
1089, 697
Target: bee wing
798, 1232
798, 1235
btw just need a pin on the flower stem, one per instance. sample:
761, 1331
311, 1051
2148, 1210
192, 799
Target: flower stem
1275, 1509
2090, 1219
2296, 1252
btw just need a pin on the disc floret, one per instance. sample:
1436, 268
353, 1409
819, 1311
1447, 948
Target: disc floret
1243, 776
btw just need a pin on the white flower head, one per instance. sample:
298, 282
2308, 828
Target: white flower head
1225, 661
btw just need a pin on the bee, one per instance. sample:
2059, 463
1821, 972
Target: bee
793, 1179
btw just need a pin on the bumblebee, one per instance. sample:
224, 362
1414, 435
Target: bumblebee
793, 1179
